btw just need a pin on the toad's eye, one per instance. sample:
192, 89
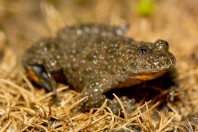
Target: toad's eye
144, 51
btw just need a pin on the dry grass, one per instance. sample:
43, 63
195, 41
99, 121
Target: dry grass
26, 108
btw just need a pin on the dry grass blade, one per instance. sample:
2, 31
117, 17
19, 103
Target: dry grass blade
25, 94
124, 111
6, 126
52, 17
164, 122
8, 63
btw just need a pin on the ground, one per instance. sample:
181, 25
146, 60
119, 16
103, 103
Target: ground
24, 107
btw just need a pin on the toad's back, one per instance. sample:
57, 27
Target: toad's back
95, 59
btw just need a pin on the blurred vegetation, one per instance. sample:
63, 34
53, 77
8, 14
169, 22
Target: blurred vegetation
145, 7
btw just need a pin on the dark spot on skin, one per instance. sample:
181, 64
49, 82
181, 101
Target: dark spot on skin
92, 55
133, 64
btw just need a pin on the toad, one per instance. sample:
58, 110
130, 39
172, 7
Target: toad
94, 59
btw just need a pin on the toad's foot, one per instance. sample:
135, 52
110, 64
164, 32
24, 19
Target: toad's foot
42, 77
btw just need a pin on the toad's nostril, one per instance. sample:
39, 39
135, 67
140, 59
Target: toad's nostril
162, 45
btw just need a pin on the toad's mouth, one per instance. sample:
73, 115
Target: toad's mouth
147, 76
141, 77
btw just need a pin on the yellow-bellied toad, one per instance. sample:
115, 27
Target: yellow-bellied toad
94, 59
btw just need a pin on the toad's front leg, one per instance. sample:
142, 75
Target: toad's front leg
95, 93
